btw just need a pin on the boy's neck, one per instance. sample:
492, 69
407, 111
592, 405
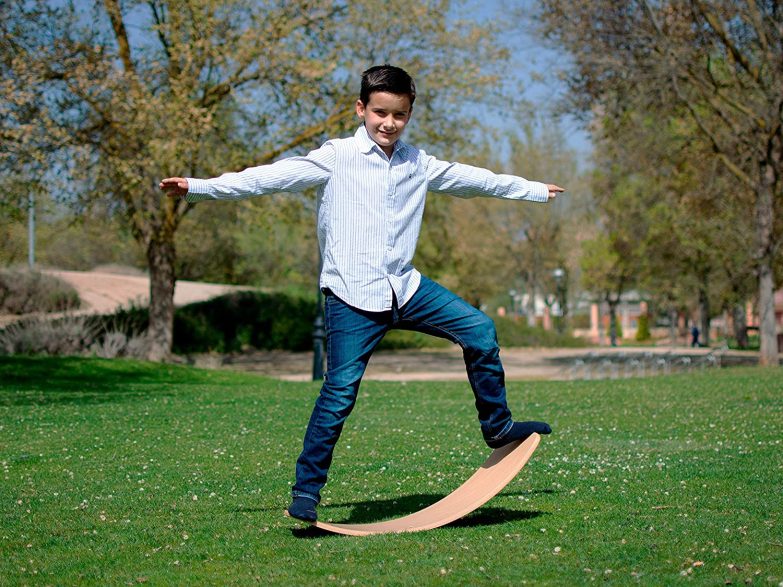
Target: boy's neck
389, 150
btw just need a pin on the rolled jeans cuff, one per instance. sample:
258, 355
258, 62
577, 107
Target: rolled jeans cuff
297, 493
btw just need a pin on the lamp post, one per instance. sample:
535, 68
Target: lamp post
559, 274
31, 230
319, 336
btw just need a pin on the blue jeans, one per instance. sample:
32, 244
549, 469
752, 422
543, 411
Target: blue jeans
351, 337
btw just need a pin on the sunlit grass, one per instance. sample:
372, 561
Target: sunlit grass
121, 473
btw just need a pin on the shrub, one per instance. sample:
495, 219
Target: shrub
245, 319
25, 292
579, 320
267, 321
643, 328
131, 321
70, 335
516, 333
618, 328
65, 336
229, 323
408, 339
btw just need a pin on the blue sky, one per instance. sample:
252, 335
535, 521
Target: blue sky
535, 65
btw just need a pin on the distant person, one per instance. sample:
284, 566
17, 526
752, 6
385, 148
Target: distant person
371, 193
695, 336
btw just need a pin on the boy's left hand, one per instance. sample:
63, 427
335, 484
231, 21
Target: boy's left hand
554, 190
176, 187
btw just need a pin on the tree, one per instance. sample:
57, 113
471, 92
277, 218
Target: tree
722, 62
197, 87
695, 221
610, 261
483, 247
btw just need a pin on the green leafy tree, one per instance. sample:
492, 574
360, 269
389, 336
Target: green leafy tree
722, 62
484, 247
115, 95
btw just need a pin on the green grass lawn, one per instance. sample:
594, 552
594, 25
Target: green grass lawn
118, 472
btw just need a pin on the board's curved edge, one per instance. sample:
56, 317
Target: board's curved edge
502, 465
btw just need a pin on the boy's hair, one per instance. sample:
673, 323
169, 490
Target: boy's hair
386, 78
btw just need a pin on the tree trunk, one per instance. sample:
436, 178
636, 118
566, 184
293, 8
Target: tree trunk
704, 315
160, 259
530, 309
673, 337
767, 334
740, 323
612, 323
764, 227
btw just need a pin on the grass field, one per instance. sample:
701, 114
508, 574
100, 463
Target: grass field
122, 473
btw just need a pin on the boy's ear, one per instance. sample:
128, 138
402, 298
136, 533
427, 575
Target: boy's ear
360, 109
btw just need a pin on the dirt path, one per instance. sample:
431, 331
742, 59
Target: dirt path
520, 364
106, 292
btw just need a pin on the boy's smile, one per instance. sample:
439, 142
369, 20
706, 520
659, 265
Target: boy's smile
385, 116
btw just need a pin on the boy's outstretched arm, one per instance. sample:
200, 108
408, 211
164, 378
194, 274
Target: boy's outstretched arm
177, 187
468, 181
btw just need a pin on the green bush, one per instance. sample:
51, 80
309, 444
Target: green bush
231, 323
246, 319
284, 321
618, 328
754, 343
643, 328
579, 320
23, 292
408, 339
516, 333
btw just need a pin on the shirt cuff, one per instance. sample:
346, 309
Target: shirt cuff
539, 192
198, 190
533, 191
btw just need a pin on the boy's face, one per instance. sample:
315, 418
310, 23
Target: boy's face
385, 117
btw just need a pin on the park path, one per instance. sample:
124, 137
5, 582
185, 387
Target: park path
520, 364
103, 292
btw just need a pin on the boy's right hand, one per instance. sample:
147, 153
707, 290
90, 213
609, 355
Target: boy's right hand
176, 187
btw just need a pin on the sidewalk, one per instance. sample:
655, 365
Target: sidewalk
521, 364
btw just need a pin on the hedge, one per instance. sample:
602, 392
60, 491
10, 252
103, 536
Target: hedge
284, 321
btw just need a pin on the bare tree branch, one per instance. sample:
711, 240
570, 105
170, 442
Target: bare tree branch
120, 34
308, 134
717, 26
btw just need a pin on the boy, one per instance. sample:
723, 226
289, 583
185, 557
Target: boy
371, 192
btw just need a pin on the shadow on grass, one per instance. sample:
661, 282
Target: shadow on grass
364, 512
57, 380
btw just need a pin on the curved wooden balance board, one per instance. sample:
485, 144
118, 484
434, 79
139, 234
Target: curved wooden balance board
497, 471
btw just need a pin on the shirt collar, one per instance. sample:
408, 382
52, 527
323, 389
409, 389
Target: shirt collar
366, 144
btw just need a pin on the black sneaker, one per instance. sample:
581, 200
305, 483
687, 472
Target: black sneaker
303, 508
520, 431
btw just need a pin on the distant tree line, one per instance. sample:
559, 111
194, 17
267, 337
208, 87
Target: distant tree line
685, 102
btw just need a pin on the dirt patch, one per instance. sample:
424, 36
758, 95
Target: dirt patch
102, 292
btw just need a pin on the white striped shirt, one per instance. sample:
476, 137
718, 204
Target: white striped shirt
370, 208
